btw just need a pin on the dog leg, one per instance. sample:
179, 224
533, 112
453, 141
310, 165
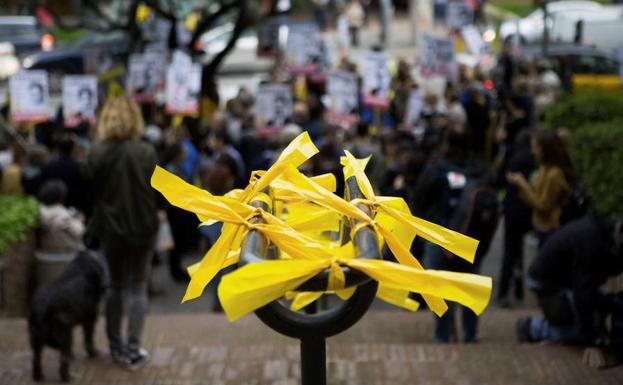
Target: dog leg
65, 347
37, 372
88, 329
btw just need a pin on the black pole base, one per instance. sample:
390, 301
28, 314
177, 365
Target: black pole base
313, 361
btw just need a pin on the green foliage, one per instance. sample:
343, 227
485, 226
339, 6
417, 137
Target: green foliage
598, 154
586, 106
18, 215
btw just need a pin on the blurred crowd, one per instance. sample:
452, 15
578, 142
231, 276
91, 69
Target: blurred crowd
475, 142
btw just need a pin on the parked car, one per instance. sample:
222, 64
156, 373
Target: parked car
590, 66
71, 59
25, 34
530, 28
242, 58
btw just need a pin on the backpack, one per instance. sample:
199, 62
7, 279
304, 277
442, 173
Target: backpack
472, 208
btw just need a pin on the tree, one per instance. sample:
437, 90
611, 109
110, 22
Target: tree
127, 15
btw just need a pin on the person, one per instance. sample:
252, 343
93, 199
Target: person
567, 275
552, 186
355, 16
61, 227
65, 167
125, 221
85, 106
320, 13
517, 220
437, 190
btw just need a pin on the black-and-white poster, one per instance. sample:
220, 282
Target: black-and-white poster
342, 92
79, 99
304, 53
30, 97
146, 76
269, 38
377, 79
437, 56
458, 15
473, 40
273, 104
415, 106
183, 85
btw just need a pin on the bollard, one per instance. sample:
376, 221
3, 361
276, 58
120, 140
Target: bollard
313, 329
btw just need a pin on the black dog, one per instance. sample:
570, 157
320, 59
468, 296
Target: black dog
56, 308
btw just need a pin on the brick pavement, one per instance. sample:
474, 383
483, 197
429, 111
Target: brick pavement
386, 347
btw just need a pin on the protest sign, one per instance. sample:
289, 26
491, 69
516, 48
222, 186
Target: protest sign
273, 104
183, 85
268, 38
376, 79
458, 15
29, 96
79, 99
415, 106
437, 56
473, 40
343, 97
146, 75
303, 49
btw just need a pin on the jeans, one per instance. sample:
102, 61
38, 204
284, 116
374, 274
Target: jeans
512, 262
436, 259
542, 330
129, 268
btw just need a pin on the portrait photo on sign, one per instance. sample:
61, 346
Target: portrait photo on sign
376, 79
79, 99
304, 53
183, 85
437, 56
146, 75
29, 95
273, 104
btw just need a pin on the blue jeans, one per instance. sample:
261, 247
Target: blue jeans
436, 259
542, 330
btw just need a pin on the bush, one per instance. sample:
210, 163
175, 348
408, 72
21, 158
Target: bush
586, 106
18, 216
597, 151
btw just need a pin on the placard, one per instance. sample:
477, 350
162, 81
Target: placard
304, 53
458, 15
29, 95
146, 76
437, 56
183, 85
268, 39
79, 99
343, 96
415, 106
273, 104
473, 40
376, 79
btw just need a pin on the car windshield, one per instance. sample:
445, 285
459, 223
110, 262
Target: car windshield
10, 32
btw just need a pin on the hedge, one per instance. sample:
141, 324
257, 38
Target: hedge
597, 151
17, 216
587, 106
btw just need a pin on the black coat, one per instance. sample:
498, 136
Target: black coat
580, 257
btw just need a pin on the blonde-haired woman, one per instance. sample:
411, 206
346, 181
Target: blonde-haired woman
124, 220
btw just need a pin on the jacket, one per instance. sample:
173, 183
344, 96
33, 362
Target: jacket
580, 257
125, 205
548, 193
61, 230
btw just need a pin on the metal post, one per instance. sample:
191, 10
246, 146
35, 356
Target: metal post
545, 28
313, 361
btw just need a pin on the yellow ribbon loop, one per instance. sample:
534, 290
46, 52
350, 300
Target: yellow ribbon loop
337, 279
397, 297
356, 167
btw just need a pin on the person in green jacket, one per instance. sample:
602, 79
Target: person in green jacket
125, 221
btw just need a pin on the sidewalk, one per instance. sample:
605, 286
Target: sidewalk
386, 347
